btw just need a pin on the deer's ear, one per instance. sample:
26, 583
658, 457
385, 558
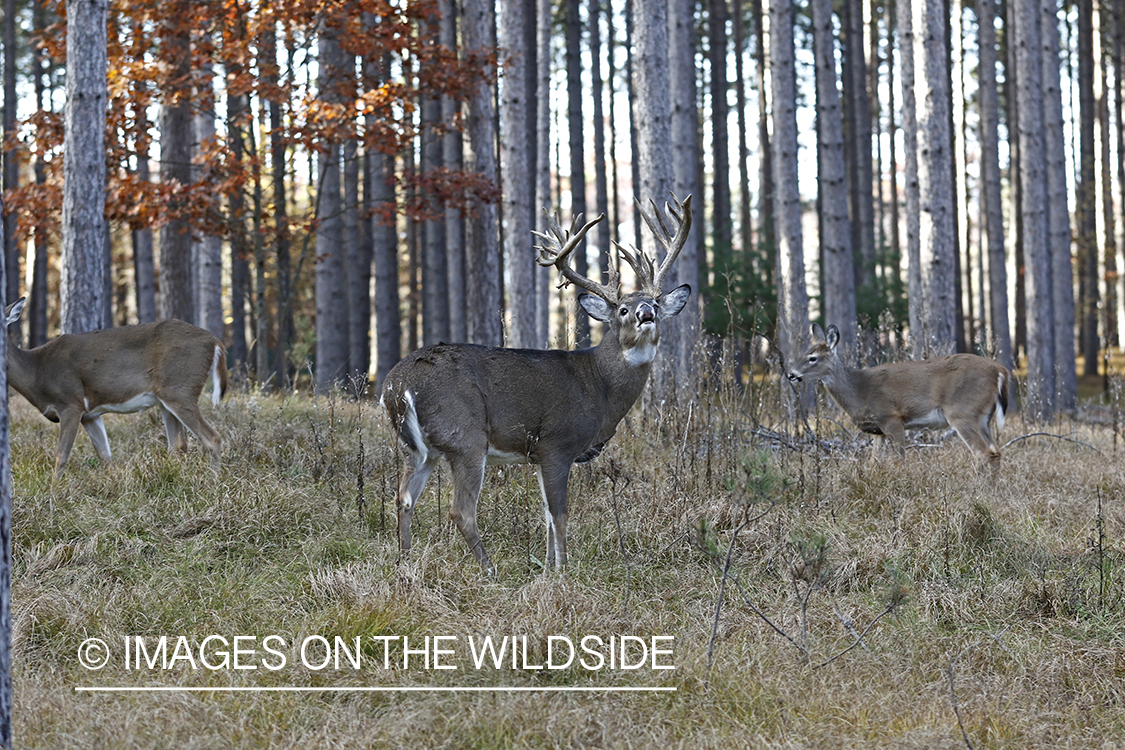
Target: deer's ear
833, 337
674, 301
14, 310
596, 307
817, 332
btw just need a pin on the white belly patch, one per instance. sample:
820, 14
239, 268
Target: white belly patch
140, 402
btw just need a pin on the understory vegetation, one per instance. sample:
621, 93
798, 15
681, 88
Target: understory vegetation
812, 591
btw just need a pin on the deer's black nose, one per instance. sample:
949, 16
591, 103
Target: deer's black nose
794, 377
646, 313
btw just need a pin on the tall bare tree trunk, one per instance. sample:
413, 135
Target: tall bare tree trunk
37, 304
858, 147
514, 175
207, 250
85, 264
838, 283
793, 299
915, 292
575, 128
176, 272
332, 325
991, 189
1058, 217
380, 200
599, 236
1105, 136
936, 232
1087, 211
767, 235
483, 325
11, 176
544, 284
452, 156
1039, 403
685, 167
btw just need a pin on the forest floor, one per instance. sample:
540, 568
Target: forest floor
729, 586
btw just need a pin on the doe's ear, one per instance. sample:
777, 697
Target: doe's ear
833, 337
674, 301
817, 332
12, 314
596, 307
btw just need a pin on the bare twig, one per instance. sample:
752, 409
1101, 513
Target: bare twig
859, 638
1050, 435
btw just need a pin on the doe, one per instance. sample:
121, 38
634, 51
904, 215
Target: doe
77, 377
962, 391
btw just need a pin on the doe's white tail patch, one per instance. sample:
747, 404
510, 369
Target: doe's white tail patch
999, 406
216, 384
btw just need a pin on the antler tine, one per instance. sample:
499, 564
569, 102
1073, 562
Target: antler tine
672, 244
557, 249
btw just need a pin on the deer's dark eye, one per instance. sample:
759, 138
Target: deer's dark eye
812, 359
624, 311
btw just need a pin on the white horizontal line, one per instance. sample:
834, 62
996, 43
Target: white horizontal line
363, 689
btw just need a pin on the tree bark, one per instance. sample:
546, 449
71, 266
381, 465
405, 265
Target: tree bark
991, 189
1058, 217
11, 177
838, 280
435, 280
543, 281
1039, 402
332, 324
1086, 215
792, 300
575, 128
483, 303
936, 233
517, 210
686, 170
176, 271
453, 158
85, 265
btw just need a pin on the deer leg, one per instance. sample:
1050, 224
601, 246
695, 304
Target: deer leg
979, 439
68, 430
95, 428
895, 431
553, 481
414, 475
173, 429
189, 416
468, 478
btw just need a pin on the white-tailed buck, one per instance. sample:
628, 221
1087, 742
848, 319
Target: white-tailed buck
962, 391
478, 405
77, 377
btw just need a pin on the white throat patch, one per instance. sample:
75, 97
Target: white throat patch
641, 354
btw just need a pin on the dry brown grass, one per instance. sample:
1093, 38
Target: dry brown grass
1004, 580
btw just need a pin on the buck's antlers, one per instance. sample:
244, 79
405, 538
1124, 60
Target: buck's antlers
649, 278
556, 250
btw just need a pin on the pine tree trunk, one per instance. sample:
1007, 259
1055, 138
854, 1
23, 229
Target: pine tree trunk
453, 158
767, 235
1109, 216
435, 280
332, 325
599, 235
379, 198
358, 261
1039, 402
84, 261
207, 250
176, 272
514, 175
991, 189
858, 118
792, 300
1087, 211
838, 283
11, 177
685, 172
544, 284
916, 295
37, 304
283, 281
1058, 220
575, 127
483, 303
936, 231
